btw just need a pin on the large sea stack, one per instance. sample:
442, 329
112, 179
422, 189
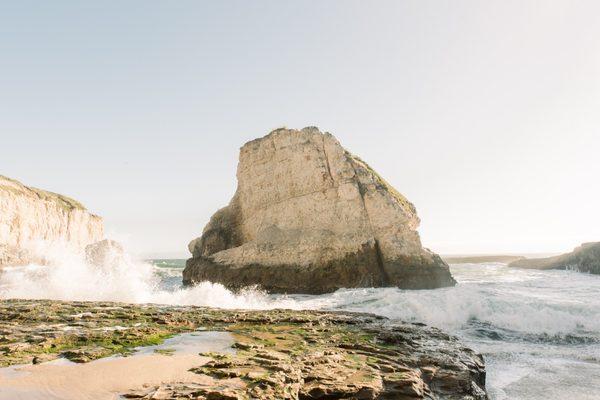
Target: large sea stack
310, 217
31, 219
585, 258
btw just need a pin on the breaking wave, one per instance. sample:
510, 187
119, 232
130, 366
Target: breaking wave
70, 277
539, 331
490, 299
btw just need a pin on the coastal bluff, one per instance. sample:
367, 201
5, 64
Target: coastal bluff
584, 258
310, 217
31, 217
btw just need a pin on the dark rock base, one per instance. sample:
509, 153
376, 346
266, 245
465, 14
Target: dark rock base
362, 269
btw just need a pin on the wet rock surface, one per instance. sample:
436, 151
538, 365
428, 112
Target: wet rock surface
105, 253
279, 354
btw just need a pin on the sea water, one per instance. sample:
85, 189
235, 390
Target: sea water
539, 331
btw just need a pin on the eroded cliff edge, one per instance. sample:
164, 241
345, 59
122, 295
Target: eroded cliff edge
310, 217
585, 258
32, 219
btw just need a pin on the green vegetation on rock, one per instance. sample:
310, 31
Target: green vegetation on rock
403, 201
15, 187
279, 354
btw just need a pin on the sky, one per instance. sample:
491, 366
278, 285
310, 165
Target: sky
486, 115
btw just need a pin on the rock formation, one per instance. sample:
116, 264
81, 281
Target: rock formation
106, 253
585, 258
30, 216
275, 354
309, 217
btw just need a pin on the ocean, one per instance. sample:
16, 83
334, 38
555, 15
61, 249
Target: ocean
539, 331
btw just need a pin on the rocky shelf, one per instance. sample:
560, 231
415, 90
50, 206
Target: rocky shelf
278, 354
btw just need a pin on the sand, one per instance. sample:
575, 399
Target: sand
109, 377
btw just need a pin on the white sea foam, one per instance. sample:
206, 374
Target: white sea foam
453, 308
518, 300
521, 320
71, 278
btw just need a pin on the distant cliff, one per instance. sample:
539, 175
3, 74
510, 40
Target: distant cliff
585, 258
30, 216
476, 259
310, 217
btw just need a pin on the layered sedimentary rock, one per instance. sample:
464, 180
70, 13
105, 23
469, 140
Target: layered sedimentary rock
585, 258
30, 218
274, 354
309, 217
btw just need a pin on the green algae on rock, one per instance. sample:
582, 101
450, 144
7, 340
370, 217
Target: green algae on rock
279, 354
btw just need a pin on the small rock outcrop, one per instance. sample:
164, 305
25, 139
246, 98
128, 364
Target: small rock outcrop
30, 217
309, 217
105, 253
585, 258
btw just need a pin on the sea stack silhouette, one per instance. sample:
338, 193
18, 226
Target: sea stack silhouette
310, 217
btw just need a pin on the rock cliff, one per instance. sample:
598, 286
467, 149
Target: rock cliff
309, 217
585, 258
30, 217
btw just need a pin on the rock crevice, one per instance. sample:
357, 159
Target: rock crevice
276, 354
309, 217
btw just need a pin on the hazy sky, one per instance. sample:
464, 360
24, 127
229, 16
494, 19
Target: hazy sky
486, 115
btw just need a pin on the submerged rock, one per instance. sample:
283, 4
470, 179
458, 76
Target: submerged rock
277, 354
585, 258
309, 217
31, 218
105, 253
13, 255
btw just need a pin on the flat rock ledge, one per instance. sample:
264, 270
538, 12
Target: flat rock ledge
279, 354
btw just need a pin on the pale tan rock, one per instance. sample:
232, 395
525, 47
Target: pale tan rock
105, 253
310, 217
30, 217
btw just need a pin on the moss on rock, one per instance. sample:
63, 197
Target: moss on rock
279, 354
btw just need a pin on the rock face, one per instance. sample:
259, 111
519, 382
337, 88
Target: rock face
309, 217
30, 216
585, 258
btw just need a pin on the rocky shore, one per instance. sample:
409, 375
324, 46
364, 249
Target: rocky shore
585, 258
277, 354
